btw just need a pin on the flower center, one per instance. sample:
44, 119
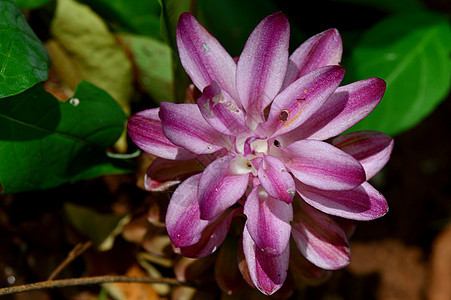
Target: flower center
253, 147
241, 165
259, 146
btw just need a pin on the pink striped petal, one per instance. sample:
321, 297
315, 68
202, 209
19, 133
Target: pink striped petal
203, 57
320, 239
322, 165
275, 179
267, 273
184, 126
363, 97
206, 159
219, 189
183, 222
295, 104
348, 105
163, 173
221, 111
371, 148
331, 108
146, 132
363, 203
212, 237
262, 65
268, 221
320, 50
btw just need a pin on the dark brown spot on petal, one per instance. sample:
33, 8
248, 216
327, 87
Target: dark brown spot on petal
283, 115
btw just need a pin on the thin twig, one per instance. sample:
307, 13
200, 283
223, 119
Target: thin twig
50, 284
73, 254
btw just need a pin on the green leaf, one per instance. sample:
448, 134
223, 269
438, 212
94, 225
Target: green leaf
45, 143
143, 17
153, 60
83, 48
411, 52
100, 228
23, 59
30, 4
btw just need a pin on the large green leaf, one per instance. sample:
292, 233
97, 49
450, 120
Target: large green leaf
44, 142
143, 17
30, 4
411, 53
153, 59
23, 59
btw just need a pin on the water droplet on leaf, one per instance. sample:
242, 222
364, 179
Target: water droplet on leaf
74, 101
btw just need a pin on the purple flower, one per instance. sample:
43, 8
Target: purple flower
260, 129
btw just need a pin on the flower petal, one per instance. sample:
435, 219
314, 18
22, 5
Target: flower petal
268, 221
320, 239
146, 132
212, 237
363, 97
163, 173
219, 189
331, 108
302, 99
183, 221
275, 179
184, 126
262, 65
363, 203
320, 50
220, 110
203, 57
268, 273
371, 148
322, 165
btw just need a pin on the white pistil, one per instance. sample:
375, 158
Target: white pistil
241, 165
260, 146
